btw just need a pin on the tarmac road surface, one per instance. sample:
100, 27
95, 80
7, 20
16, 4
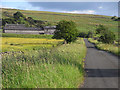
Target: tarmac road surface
101, 68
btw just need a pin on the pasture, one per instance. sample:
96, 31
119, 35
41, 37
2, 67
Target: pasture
85, 22
22, 44
26, 36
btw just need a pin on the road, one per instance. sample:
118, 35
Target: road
101, 68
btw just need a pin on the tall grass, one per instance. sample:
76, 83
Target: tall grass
107, 47
60, 67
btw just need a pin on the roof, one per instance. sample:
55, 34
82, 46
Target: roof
50, 27
20, 27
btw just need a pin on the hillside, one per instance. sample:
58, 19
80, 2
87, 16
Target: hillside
85, 22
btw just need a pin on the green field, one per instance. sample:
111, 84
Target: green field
85, 22
58, 67
27, 36
23, 44
38, 61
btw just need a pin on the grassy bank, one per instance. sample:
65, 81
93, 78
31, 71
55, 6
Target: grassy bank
26, 36
60, 67
107, 47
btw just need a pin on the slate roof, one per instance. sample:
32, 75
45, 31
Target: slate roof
50, 27
20, 27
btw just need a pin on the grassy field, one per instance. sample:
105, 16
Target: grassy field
107, 47
59, 67
85, 22
26, 36
23, 44
44, 64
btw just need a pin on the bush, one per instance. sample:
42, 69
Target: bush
114, 17
66, 30
101, 29
18, 14
82, 34
19, 18
90, 34
8, 20
118, 19
107, 37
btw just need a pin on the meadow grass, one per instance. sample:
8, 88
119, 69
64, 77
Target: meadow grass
59, 67
107, 47
22, 44
26, 36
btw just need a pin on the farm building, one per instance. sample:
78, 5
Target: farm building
21, 29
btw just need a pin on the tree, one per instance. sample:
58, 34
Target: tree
118, 19
101, 29
8, 20
39, 23
107, 37
66, 30
82, 34
114, 17
90, 34
17, 15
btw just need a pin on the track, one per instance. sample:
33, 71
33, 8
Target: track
101, 68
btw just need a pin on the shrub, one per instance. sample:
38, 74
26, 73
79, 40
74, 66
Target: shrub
82, 34
66, 30
107, 37
19, 18
8, 20
90, 34
114, 17
101, 29
18, 14
118, 19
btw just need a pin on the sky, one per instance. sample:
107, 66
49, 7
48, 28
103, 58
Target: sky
99, 8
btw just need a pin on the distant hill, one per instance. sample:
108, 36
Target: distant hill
85, 22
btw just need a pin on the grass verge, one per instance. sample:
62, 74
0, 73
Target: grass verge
26, 36
107, 47
60, 67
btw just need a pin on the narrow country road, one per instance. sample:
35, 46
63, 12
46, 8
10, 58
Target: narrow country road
101, 68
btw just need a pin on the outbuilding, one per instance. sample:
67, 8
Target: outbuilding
22, 29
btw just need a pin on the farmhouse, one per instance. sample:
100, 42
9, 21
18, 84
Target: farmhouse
22, 29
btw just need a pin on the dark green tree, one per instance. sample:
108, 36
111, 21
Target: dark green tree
8, 20
114, 17
107, 37
90, 34
82, 34
66, 30
17, 15
101, 29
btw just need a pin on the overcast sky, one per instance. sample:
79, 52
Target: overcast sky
100, 8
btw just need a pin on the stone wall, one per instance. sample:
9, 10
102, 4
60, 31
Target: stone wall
49, 31
23, 32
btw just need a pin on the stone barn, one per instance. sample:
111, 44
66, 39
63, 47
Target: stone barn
49, 29
21, 29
